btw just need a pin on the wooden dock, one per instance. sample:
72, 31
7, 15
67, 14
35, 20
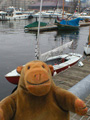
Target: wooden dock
82, 24
70, 77
43, 28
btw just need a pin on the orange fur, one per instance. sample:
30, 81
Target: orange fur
1, 114
19, 69
80, 107
38, 98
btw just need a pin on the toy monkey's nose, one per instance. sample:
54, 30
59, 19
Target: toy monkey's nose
37, 76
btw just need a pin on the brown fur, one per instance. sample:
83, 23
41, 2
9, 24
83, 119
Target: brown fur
38, 98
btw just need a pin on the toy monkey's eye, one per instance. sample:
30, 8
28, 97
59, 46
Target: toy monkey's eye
28, 67
43, 66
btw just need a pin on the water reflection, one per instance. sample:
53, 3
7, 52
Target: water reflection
61, 37
66, 36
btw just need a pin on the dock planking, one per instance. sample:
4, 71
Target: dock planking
82, 24
70, 77
43, 28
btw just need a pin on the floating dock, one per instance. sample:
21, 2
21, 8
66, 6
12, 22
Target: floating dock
52, 27
82, 24
70, 77
43, 28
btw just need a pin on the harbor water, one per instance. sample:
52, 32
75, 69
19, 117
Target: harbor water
17, 46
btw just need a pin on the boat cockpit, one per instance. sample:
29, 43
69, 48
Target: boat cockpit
56, 61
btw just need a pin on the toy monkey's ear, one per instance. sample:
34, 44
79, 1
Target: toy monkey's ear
19, 69
52, 69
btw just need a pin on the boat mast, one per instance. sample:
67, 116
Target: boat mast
78, 6
57, 4
37, 48
63, 11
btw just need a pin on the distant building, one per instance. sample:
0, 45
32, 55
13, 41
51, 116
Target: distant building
48, 4
83, 1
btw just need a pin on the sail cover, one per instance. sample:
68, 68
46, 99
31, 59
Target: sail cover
35, 24
74, 22
55, 51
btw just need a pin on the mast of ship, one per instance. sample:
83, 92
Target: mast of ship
78, 6
57, 4
24, 5
37, 47
63, 11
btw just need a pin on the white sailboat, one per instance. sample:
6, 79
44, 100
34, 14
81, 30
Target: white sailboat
59, 62
87, 47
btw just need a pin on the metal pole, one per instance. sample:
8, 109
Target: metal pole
82, 88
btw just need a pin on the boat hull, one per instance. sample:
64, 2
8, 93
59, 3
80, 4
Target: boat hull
18, 17
67, 27
13, 80
64, 68
13, 76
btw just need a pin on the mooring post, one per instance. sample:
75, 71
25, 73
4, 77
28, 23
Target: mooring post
82, 88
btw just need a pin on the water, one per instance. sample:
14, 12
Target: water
17, 47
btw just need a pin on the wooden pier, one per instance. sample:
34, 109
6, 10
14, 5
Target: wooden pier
82, 24
70, 77
43, 28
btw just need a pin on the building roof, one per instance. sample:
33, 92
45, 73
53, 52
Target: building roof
48, 3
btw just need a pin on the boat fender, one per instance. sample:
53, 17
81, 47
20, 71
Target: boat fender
80, 64
69, 66
55, 73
